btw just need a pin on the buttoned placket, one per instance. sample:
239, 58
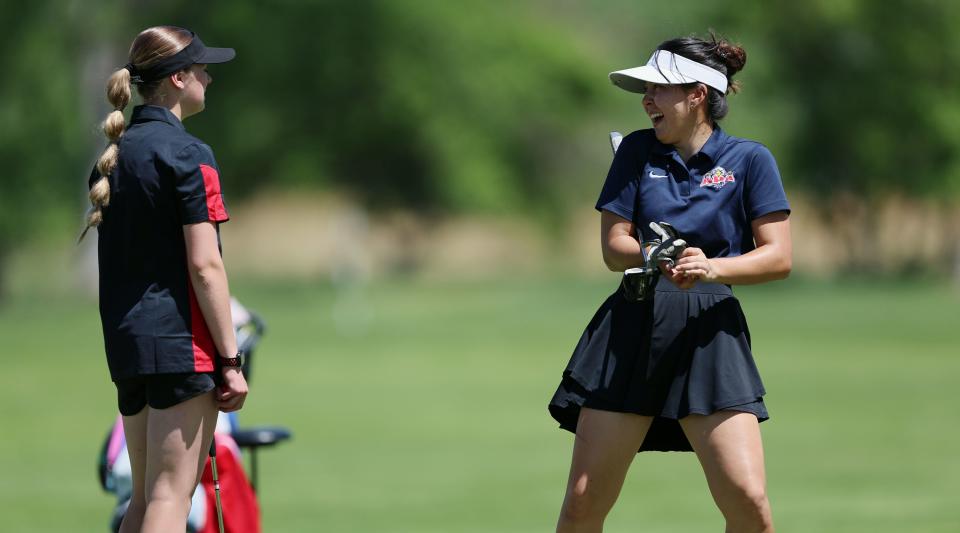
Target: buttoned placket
681, 174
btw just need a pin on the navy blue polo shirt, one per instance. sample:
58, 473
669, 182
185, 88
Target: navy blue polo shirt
710, 199
165, 178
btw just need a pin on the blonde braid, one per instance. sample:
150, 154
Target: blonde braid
151, 45
118, 94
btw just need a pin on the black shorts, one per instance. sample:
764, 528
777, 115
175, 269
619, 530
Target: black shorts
161, 391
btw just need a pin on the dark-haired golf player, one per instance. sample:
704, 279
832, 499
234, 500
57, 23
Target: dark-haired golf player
164, 300
675, 372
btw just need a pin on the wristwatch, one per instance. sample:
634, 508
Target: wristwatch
235, 361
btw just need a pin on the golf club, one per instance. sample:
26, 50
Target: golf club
216, 482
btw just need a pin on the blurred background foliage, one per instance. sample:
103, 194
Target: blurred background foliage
490, 107
438, 137
873, 91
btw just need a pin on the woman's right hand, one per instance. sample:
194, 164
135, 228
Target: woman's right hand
233, 392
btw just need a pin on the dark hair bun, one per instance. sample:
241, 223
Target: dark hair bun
732, 55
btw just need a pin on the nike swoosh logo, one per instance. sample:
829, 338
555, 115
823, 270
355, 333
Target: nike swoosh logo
656, 176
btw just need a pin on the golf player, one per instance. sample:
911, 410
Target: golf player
164, 300
675, 371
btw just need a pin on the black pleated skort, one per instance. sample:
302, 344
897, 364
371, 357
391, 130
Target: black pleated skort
685, 352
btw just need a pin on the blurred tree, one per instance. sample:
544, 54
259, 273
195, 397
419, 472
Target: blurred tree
873, 87
44, 141
875, 108
431, 104
475, 105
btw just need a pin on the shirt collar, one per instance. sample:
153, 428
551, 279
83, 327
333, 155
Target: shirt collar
710, 149
147, 113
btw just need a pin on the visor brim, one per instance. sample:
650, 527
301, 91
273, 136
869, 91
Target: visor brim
211, 56
635, 79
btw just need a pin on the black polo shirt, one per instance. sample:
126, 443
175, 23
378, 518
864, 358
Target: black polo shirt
711, 199
165, 178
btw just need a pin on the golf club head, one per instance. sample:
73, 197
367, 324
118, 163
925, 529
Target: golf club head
639, 283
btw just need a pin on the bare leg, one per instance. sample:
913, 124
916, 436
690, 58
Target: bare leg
730, 450
605, 445
178, 440
135, 432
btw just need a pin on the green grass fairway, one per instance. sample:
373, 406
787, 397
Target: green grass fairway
422, 408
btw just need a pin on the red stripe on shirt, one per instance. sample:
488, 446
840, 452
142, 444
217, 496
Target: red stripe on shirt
203, 348
211, 183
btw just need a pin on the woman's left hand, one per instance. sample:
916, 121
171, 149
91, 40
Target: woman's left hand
692, 266
234, 390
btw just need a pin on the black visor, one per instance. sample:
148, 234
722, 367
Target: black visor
193, 53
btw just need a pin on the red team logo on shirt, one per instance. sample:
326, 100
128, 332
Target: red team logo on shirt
717, 178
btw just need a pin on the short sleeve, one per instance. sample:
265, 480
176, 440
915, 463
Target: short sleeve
619, 191
199, 197
764, 191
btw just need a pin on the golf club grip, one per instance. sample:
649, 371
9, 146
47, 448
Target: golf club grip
615, 138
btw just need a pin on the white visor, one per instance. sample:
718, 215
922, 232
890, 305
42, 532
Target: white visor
670, 69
